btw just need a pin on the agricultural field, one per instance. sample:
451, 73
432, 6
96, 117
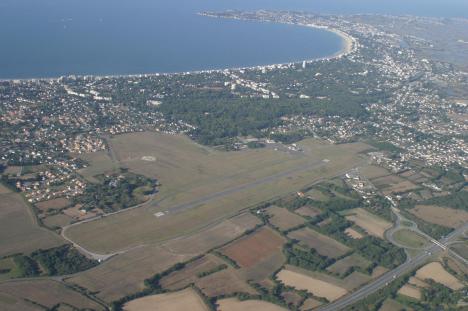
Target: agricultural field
342, 266
417, 282
53, 204
308, 211
409, 239
18, 295
4, 190
19, 230
283, 219
443, 216
225, 282
436, 272
200, 185
371, 223
57, 221
8, 269
323, 244
125, 274
372, 171
353, 233
117, 277
461, 249
317, 195
264, 268
183, 300
233, 304
310, 303
211, 275
254, 248
410, 291
301, 280
393, 184
355, 280
214, 236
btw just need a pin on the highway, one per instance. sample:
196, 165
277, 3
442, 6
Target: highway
388, 277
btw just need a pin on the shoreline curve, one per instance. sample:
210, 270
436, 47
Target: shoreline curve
349, 46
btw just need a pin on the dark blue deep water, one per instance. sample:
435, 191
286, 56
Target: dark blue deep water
49, 38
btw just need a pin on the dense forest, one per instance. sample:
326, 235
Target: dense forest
219, 119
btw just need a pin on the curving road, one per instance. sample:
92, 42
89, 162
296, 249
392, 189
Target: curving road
388, 277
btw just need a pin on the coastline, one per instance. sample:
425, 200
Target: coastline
349, 46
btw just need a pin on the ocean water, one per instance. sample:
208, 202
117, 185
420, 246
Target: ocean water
49, 38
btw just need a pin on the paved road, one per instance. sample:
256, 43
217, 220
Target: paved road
388, 277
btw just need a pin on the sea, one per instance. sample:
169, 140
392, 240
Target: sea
51, 38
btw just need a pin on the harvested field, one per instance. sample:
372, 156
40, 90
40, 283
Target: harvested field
189, 274
417, 282
59, 220
283, 219
223, 282
378, 271
264, 268
400, 187
310, 303
323, 244
324, 222
257, 246
183, 300
343, 265
393, 305
210, 238
317, 195
387, 181
18, 228
372, 171
292, 298
353, 233
45, 292
355, 280
436, 272
315, 286
371, 223
442, 216
201, 186
57, 203
124, 274
308, 211
410, 291
456, 267
4, 190
233, 304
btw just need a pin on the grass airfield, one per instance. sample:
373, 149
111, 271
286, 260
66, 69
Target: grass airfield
189, 174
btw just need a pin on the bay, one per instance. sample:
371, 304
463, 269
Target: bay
50, 38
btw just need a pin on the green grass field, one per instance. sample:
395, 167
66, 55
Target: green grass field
409, 238
19, 231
